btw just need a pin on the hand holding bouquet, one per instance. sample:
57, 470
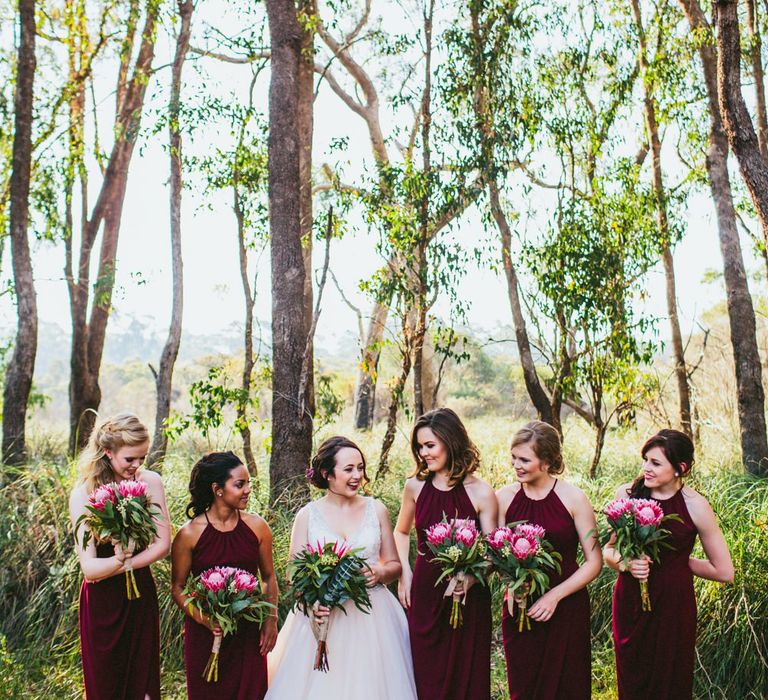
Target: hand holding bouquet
522, 556
121, 513
328, 574
227, 596
458, 548
636, 522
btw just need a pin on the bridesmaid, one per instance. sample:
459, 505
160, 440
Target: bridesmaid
655, 650
448, 664
119, 638
552, 659
221, 533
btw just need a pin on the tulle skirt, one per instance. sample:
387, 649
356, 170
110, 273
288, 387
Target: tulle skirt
369, 655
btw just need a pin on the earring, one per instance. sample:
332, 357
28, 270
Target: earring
219, 493
676, 474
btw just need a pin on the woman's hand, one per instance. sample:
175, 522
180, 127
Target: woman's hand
640, 568
211, 625
373, 575
543, 609
462, 587
404, 588
268, 635
321, 613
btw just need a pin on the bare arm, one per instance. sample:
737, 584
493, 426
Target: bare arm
586, 527
402, 540
504, 497
718, 565
160, 548
181, 565
268, 581
611, 555
486, 505
94, 568
299, 533
389, 567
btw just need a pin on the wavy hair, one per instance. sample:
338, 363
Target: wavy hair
545, 442
121, 430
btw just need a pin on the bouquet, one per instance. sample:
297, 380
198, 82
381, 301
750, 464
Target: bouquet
636, 523
226, 595
121, 513
328, 574
520, 554
458, 549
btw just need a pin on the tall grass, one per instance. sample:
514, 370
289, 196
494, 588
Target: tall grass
40, 578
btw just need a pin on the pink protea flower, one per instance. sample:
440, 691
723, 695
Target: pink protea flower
466, 535
245, 581
530, 530
101, 495
227, 571
213, 580
647, 512
439, 533
524, 543
131, 489
617, 508
499, 537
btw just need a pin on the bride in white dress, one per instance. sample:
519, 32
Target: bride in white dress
369, 654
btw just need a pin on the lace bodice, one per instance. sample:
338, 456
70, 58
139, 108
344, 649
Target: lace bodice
367, 537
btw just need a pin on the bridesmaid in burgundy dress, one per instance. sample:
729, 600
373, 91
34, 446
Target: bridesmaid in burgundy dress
552, 660
221, 533
448, 664
119, 638
655, 650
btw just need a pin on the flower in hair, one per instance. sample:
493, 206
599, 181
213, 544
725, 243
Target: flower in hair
309, 473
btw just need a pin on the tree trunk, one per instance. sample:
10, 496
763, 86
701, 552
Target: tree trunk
756, 55
681, 370
365, 391
539, 397
163, 381
291, 437
21, 368
735, 115
88, 335
741, 314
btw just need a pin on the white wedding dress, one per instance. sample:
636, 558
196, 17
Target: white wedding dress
369, 654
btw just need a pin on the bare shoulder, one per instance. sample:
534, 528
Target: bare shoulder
623, 490
571, 491
379, 507
78, 495
508, 492
413, 487
151, 478
258, 525
479, 487
697, 504
189, 533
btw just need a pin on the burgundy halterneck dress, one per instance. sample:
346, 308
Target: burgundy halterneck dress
448, 664
120, 638
655, 650
242, 668
552, 660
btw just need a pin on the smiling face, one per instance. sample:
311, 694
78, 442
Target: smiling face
658, 471
348, 472
432, 450
236, 490
126, 460
526, 463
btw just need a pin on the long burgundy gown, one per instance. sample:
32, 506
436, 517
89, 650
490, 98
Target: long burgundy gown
120, 638
448, 664
655, 650
242, 668
553, 659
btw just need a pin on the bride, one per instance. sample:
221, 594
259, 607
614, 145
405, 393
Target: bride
369, 654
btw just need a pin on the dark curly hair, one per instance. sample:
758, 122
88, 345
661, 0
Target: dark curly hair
324, 461
463, 456
677, 448
211, 469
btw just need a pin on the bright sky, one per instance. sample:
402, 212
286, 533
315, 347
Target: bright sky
213, 296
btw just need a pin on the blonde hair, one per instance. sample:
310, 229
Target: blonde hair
545, 442
123, 429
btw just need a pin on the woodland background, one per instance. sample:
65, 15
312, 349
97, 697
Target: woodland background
367, 209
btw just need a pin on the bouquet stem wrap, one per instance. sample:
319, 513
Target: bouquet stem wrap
644, 597
456, 619
211, 671
131, 590
321, 635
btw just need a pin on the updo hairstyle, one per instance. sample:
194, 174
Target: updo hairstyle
210, 470
324, 461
